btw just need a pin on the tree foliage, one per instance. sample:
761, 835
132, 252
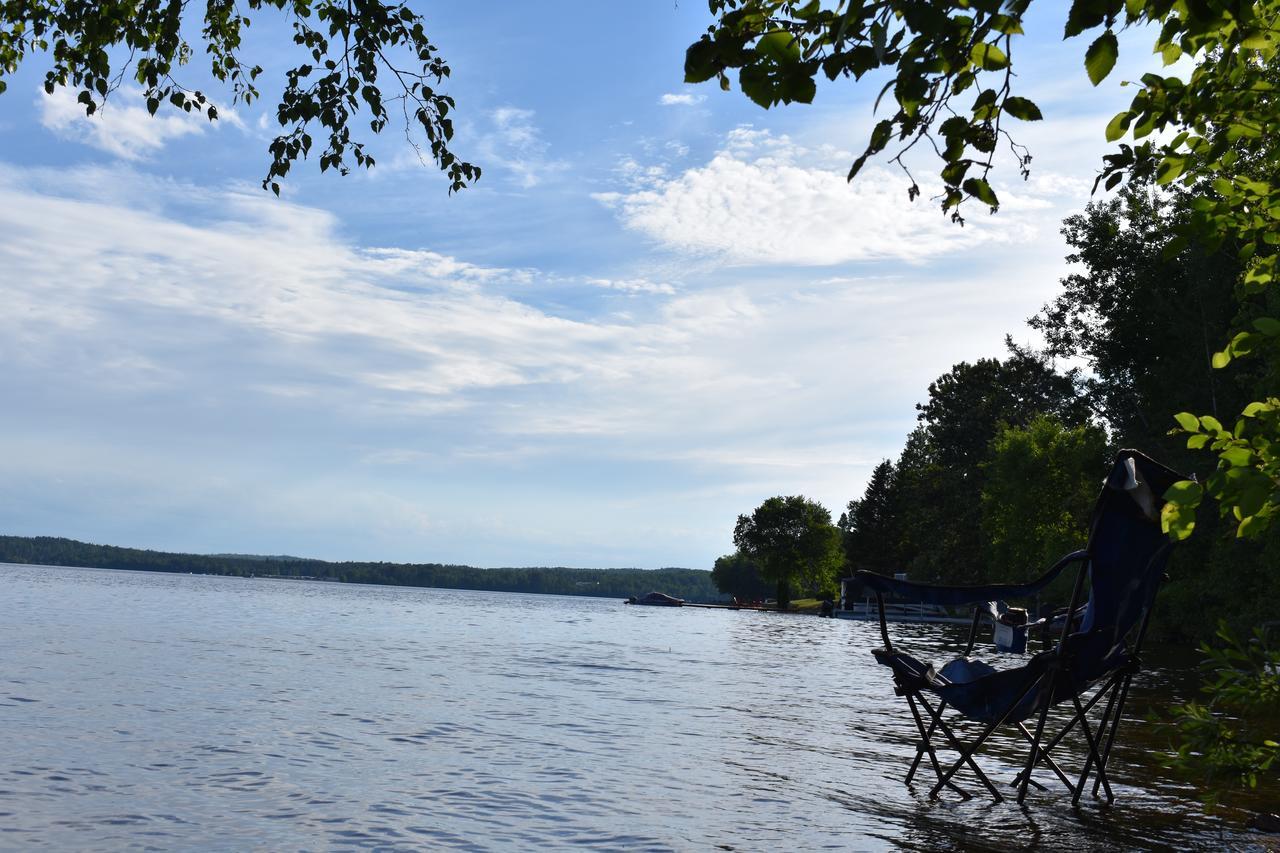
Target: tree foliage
870, 527
691, 584
795, 544
1222, 737
1210, 133
1145, 319
1139, 316
360, 58
969, 403
1040, 484
739, 575
941, 473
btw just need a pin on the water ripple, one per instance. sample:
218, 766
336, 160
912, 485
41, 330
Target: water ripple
182, 712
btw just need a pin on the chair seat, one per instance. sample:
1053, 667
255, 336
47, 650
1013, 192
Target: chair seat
977, 690
964, 670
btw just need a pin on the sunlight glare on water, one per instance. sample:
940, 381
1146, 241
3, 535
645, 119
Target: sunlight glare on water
190, 712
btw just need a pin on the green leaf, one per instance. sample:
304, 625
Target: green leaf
981, 190
1221, 359
1254, 409
1005, 24
1117, 126
1187, 421
756, 85
1237, 457
1184, 493
798, 88
1252, 526
880, 135
953, 173
1100, 58
1243, 343
1211, 424
1269, 326
1022, 108
856, 167
780, 46
700, 61
1170, 168
1177, 521
1259, 40
988, 57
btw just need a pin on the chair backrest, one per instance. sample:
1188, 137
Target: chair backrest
1128, 553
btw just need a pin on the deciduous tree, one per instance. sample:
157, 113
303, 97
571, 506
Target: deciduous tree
360, 60
738, 575
795, 544
941, 473
1041, 482
950, 83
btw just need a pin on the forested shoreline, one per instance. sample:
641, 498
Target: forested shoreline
690, 584
998, 478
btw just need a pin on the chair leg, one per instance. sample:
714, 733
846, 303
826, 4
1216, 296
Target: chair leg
1111, 735
1091, 759
1046, 758
1047, 748
966, 753
1035, 747
925, 746
1105, 725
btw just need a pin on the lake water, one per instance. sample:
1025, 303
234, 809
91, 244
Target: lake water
178, 712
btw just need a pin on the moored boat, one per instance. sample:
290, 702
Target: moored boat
657, 599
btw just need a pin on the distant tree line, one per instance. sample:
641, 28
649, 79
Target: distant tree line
689, 584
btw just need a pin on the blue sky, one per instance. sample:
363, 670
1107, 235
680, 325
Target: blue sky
659, 306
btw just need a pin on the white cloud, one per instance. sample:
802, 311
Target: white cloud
515, 144
766, 200
385, 329
684, 99
633, 285
433, 267
122, 126
230, 338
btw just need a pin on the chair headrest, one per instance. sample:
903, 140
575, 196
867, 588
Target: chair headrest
1143, 479
1139, 490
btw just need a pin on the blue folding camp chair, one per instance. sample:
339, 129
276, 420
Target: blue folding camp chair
1122, 564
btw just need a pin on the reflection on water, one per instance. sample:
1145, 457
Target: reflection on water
180, 712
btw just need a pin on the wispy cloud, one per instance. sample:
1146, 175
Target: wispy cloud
683, 99
122, 126
633, 285
253, 330
514, 143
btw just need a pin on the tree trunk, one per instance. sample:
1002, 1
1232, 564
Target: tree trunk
784, 594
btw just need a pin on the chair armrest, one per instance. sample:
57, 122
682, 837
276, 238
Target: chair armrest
955, 595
